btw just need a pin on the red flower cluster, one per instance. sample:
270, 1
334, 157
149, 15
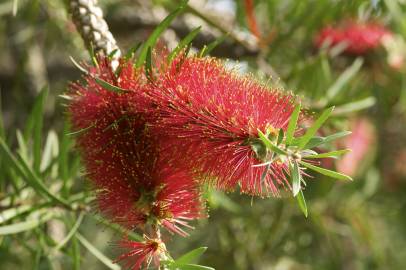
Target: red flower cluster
211, 116
359, 38
149, 145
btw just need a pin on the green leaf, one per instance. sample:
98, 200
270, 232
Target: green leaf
207, 49
25, 225
30, 176
326, 172
80, 131
281, 135
336, 136
184, 43
75, 254
191, 256
317, 141
332, 154
109, 86
313, 129
97, 253
34, 181
34, 126
132, 51
93, 56
270, 145
11, 213
302, 203
71, 233
292, 124
355, 106
22, 145
148, 65
51, 150
156, 33
78, 65
344, 78
296, 178
112, 53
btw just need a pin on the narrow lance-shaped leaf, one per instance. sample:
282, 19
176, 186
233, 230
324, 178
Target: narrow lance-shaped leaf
302, 203
130, 53
326, 172
25, 225
292, 124
191, 256
207, 49
78, 65
34, 180
108, 86
30, 176
332, 154
317, 141
71, 233
270, 145
344, 78
34, 126
281, 135
97, 253
148, 65
184, 43
355, 106
157, 32
296, 177
313, 129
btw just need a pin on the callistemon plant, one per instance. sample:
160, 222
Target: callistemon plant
151, 140
155, 132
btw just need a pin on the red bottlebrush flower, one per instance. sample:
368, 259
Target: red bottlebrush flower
139, 254
360, 38
135, 185
209, 117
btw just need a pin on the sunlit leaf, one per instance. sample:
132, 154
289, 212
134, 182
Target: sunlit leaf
326, 172
108, 86
191, 256
344, 78
355, 106
207, 49
184, 43
25, 225
292, 124
313, 129
332, 154
296, 178
270, 145
302, 203
157, 32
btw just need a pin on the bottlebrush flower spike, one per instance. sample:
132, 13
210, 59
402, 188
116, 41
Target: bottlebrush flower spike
139, 254
360, 38
210, 117
136, 187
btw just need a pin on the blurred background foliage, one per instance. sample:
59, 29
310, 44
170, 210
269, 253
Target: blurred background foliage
46, 218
